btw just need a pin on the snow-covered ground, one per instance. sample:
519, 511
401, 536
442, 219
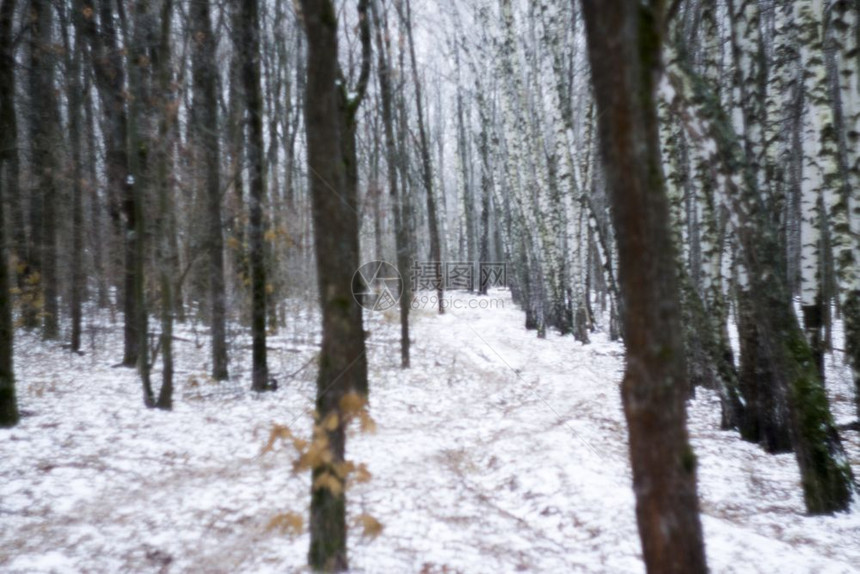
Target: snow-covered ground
497, 452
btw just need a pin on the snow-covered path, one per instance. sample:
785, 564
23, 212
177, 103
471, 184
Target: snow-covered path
496, 452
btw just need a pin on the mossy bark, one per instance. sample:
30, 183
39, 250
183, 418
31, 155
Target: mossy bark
765, 419
828, 483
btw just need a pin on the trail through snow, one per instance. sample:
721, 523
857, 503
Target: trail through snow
497, 452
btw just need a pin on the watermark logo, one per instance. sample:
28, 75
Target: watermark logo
457, 275
377, 286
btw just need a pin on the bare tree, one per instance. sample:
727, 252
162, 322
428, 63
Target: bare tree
44, 123
426, 165
8, 147
398, 199
250, 46
110, 73
165, 254
624, 45
205, 115
329, 119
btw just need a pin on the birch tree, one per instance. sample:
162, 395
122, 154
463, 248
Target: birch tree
820, 167
843, 204
826, 477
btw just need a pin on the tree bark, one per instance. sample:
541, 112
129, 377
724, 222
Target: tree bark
343, 364
107, 61
426, 165
165, 256
398, 199
205, 79
44, 131
828, 482
76, 142
624, 44
137, 37
250, 20
8, 148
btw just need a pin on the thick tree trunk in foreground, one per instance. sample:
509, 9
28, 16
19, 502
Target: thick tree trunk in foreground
624, 51
205, 76
343, 365
250, 20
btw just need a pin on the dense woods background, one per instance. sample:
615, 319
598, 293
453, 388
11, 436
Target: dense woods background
677, 174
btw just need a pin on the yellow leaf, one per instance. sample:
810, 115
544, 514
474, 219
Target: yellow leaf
331, 421
343, 469
368, 425
300, 445
330, 482
288, 523
278, 432
362, 475
351, 403
317, 454
371, 527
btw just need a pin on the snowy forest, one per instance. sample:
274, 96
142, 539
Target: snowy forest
429, 286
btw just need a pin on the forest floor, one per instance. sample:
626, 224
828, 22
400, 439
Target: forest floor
497, 452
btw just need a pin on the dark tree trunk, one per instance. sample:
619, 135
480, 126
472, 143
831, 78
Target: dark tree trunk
165, 254
624, 45
138, 37
274, 105
107, 60
8, 402
44, 131
205, 78
250, 45
426, 166
486, 191
9, 135
398, 200
8, 148
75, 106
813, 324
343, 365
765, 418
236, 149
